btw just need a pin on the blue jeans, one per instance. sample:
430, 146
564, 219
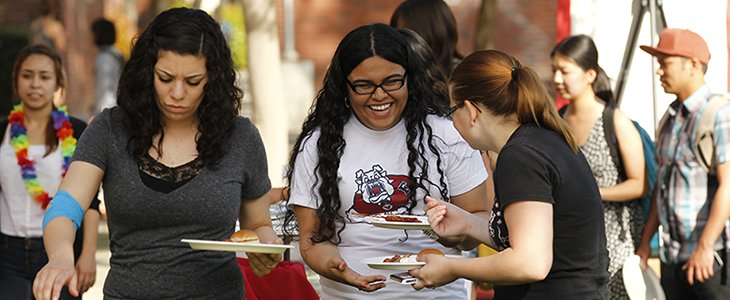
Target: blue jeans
675, 284
21, 259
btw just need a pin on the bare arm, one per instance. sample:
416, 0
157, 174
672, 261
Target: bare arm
700, 262
254, 215
324, 258
650, 228
81, 182
632, 154
529, 258
86, 264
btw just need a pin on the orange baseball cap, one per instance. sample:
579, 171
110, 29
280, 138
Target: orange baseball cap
680, 42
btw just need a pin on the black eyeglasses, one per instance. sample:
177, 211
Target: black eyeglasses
450, 112
369, 88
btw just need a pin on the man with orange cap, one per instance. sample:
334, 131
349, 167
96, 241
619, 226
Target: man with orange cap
691, 204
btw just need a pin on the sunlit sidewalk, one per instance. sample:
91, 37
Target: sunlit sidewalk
102, 263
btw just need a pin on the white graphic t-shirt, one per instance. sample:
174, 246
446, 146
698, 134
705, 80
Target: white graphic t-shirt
373, 178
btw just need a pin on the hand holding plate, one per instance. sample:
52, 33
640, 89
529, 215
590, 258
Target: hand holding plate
435, 273
262, 263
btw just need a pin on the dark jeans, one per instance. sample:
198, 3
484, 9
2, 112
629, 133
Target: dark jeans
21, 260
676, 286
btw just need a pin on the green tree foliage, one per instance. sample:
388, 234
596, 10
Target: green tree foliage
234, 28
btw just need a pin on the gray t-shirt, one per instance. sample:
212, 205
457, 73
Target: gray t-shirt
145, 226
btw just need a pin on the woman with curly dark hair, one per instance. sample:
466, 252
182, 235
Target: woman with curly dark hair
176, 162
374, 145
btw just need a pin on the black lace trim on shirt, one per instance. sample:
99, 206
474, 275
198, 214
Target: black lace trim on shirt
164, 179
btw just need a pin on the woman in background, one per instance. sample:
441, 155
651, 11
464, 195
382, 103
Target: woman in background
435, 78
37, 144
579, 79
435, 23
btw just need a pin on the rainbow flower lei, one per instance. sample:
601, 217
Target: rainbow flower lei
19, 141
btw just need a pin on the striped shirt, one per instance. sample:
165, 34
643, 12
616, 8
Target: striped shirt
687, 192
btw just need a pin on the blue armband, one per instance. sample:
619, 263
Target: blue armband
64, 205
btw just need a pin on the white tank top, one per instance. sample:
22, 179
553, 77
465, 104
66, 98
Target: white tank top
20, 215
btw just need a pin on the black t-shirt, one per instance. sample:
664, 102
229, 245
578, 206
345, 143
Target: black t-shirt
537, 164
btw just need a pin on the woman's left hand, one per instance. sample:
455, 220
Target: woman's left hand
86, 271
262, 263
435, 273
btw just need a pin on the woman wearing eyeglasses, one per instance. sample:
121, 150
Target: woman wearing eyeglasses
547, 219
372, 145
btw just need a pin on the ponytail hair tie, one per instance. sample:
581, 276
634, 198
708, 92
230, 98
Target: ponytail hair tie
514, 76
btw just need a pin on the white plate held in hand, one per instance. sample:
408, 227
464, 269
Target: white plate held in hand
381, 222
641, 285
237, 247
409, 263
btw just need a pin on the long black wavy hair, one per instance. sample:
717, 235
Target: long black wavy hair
185, 32
329, 113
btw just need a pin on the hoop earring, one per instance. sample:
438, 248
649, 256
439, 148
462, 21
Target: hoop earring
347, 102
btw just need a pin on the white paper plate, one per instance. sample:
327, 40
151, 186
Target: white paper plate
380, 222
377, 263
641, 285
237, 247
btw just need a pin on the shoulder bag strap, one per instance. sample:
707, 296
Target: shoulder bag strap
704, 141
610, 134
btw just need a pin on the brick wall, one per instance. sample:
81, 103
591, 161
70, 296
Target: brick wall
321, 24
523, 28
19, 14
526, 29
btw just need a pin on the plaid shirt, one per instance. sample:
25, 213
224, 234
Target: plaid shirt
686, 190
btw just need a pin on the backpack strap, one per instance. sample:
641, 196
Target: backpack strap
609, 131
704, 147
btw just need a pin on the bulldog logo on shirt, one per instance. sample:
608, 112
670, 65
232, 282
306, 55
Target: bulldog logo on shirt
378, 192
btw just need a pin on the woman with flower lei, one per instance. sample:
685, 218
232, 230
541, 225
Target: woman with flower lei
38, 141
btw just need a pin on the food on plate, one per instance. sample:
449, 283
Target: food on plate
392, 218
410, 258
397, 258
430, 251
242, 236
402, 219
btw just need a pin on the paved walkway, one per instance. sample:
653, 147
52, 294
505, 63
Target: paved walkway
102, 264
